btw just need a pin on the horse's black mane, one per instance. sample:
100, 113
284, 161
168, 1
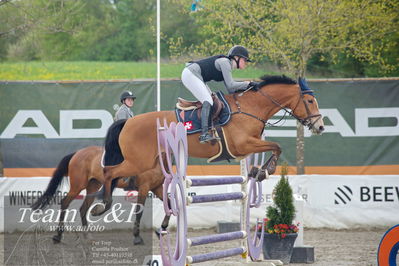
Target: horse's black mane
267, 80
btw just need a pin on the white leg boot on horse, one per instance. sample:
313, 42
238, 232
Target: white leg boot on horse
265, 170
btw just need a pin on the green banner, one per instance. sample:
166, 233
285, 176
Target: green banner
40, 122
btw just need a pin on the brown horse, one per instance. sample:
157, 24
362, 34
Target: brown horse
85, 172
131, 146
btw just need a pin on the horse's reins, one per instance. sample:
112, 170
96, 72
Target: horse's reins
245, 113
305, 121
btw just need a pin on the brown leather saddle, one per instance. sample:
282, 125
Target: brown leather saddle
185, 105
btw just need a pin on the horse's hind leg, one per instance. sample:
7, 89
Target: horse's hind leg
76, 185
146, 181
125, 169
92, 187
64, 205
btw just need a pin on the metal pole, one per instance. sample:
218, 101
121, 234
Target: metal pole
158, 55
243, 212
300, 149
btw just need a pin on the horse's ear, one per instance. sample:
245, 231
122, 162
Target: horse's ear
303, 84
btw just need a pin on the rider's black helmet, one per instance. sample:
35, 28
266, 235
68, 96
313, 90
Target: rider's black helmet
240, 51
127, 94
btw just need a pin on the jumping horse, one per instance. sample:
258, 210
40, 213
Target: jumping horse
131, 146
85, 172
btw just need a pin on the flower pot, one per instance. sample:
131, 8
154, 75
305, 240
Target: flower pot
277, 248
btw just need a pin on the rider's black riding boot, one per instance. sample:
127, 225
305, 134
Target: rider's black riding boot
205, 112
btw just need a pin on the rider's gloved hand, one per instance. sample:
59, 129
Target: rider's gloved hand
253, 85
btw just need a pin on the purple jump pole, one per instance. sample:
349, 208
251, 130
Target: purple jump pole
172, 142
215, 255
197, 182
202, 240
216, 197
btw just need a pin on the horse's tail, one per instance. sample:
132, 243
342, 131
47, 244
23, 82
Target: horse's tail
58, 175
113, 154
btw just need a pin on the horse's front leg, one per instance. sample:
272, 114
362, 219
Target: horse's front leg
108, 193
255, 145
142, 195
165, 223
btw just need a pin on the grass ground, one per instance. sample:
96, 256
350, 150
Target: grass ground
101, 71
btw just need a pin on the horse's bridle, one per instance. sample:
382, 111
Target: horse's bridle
307, 122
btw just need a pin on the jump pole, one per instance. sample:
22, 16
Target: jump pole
172, 142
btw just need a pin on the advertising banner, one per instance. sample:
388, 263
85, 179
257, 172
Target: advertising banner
40, 122
336, 202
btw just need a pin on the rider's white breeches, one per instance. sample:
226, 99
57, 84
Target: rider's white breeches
196, 86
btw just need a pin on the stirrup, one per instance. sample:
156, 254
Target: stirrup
204, 138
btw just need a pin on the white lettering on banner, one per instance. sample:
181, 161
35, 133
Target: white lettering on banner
44, 127
16, 126
68, 116
339, 124
362, 121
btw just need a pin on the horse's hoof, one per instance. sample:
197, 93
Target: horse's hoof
158, 233
253, 172
271, 167
138, 241
98, 210
262, 175
56, 239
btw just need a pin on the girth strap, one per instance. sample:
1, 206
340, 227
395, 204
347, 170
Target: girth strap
224, 153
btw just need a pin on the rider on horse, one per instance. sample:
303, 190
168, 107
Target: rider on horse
218, 68
124, 112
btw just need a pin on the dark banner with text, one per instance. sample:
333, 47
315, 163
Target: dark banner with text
41, 122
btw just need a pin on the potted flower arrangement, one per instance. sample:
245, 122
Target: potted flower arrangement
280, 231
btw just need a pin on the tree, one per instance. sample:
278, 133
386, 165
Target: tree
291, 32
26, 24
283, 209
76, 30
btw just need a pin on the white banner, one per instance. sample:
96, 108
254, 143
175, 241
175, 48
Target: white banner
337, 201
329, 201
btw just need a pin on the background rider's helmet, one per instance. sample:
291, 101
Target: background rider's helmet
240, 51
127, 94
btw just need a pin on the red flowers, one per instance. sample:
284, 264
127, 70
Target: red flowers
280, 229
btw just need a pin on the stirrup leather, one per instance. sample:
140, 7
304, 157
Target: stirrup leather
203, 138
